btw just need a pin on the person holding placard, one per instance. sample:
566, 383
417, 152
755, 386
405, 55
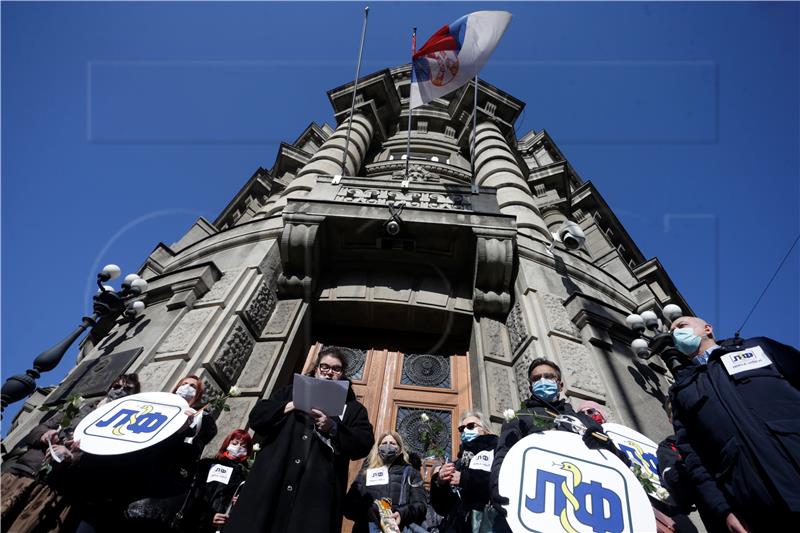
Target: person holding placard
298, 480
217, 482
735, 418
460, 490
31, 498
386, 474
545, 409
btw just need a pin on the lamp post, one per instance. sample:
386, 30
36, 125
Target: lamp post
660, 341
107, 304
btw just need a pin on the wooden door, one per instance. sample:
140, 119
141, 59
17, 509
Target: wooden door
397, 388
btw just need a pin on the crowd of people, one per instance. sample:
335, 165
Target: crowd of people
735, 457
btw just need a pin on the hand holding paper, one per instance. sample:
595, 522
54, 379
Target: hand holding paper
326, 395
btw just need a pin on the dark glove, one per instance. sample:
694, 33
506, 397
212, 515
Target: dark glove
594, 441
497, 501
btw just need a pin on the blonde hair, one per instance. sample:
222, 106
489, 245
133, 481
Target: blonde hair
374, 460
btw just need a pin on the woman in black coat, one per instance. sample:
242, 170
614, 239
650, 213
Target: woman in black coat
299, 477
217, 481
460, 490
386, 474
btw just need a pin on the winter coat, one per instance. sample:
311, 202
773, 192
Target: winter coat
298, 480
737, 426
473, 494
212, 496
359, 503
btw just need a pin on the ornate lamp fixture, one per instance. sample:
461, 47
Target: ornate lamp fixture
107, 304
660, 341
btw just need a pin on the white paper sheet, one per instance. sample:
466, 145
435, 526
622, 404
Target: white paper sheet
325, 395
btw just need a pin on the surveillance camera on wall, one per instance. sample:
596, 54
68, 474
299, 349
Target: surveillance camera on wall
392, 227
570, 234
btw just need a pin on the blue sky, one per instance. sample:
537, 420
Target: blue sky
124, 122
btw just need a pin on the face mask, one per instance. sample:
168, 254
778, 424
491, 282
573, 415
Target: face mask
186, 391
686, 341
116, 394
236, 451
387, 452
597, 417
469, 434
546, 389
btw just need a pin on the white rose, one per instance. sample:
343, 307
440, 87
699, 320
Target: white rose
424, 417
509, 415
662, 494
256, 447
234, 391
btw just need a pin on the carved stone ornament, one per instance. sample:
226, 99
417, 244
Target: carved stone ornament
521, 373
260, 307
494, 264
422, 199
499, 385
578, 368
299, 255
232, 355
557, 315
416, 173
185, 333
517, 330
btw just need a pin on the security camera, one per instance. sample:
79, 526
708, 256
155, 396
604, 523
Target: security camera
395, 223
570, 234
392, 227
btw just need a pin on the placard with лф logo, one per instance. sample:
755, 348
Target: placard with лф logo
639, 449
555, 483
132, 423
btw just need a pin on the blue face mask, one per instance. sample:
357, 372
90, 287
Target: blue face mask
546, 389
469, 434
686, 341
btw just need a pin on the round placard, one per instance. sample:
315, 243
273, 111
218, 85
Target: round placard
131, 423
555, 483
639, 449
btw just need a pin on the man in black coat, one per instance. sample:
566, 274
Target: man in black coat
461, 488
299, 478
544, 410
735, 413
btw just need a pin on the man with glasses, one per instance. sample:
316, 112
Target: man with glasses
298, 480
460, 490
544, 410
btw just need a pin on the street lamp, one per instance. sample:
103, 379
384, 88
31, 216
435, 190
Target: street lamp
107, 304
660, 342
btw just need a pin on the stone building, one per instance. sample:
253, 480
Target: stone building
441, 316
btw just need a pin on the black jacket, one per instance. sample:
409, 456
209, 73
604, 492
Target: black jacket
474, 490
739, 431
536, 416
359, 503
298, 482
211, 497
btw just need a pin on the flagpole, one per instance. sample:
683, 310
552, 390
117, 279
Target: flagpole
475, 188
408, 136
355, 89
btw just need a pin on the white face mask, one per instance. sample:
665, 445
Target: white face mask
187, 392
236, 451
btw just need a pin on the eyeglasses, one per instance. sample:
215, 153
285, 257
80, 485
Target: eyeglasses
337, 369
546, 375
124, 387
471, 425
590, 411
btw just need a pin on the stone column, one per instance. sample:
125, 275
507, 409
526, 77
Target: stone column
328, 160
495, 166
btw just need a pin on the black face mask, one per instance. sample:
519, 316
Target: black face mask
388, 452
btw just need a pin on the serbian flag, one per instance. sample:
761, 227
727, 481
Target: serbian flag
455, 54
